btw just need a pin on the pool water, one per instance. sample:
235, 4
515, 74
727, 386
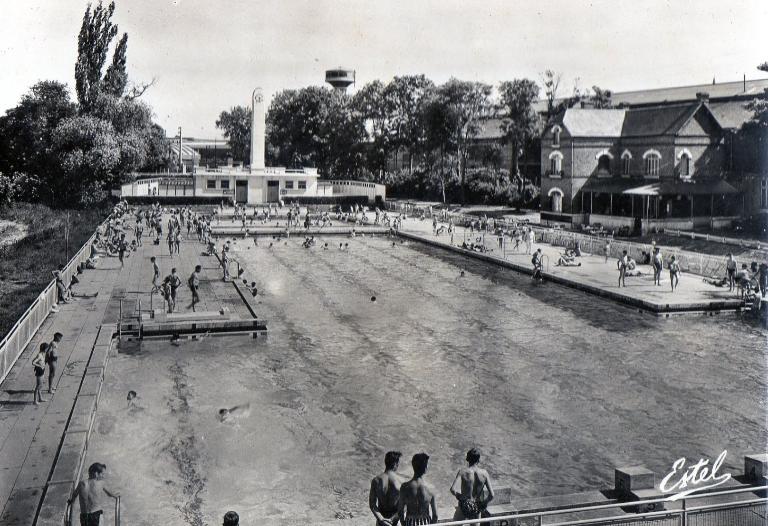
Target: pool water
556, 387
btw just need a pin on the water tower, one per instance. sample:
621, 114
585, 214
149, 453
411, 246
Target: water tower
340, 78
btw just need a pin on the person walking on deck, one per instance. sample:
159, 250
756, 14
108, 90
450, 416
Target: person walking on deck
38, 362
194, 285
51, 357
730, 270
621, 264
674, 273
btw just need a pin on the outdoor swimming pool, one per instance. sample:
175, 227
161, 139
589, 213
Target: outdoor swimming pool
555, 386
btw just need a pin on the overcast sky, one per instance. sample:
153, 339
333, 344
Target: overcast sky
208, 55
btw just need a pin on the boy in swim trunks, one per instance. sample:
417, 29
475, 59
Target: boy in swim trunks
469, 488
89, 495
674, 273
417, 498
51, 357
38, 362
385, 489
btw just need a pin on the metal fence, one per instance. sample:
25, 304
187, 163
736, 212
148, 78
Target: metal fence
747, 510
19, 336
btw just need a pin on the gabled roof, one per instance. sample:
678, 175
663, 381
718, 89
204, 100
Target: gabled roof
593, 123
634, 122
731, 114
657, 120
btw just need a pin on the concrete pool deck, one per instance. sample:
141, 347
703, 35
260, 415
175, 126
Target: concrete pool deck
42, 447
594, 276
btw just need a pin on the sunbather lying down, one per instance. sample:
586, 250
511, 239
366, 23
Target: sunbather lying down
568, 259
717, 282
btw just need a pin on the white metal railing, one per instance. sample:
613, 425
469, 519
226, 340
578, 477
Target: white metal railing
747, 243
678, 517
20, 334
691, 262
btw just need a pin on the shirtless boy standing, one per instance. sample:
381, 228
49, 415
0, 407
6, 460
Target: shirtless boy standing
89, 493
417, 498
469, 488
385, 489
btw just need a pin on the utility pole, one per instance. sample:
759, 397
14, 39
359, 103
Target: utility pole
181, 162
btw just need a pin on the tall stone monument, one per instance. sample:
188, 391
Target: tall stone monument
258, 126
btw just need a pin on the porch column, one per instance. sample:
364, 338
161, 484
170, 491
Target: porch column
582, 202
610, 206
691, 207
591, 211
712, 206
632, 205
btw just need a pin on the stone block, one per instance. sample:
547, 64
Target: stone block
646, 494
54, 507
629, 479
17, 509
756, 468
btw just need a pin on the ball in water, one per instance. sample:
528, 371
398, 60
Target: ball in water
373, 298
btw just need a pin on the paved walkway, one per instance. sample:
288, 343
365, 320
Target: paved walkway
595, 275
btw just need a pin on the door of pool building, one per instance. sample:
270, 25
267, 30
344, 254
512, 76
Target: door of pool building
241, 191
273, 191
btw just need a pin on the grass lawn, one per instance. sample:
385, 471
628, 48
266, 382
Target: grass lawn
32, 244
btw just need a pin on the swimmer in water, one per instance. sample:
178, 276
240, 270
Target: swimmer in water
131, 397
175, 340
225, 415
461, 274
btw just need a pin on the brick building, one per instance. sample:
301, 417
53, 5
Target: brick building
672, 165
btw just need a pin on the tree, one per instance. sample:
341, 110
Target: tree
521, 122
89, 154
468, 102
236, 126
439, 123
759, 107
370, 105
316, 127
601, 98
96, 33
404, 98
551, 82
27, 135
116, 78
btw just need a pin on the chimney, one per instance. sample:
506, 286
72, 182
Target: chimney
702, 96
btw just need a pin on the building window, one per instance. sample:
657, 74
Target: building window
557, 200
302, 185
289, 185
604, 165
225, 184
764, 193
210, 184
626, 162
685, 166
556, 136
652, 163
555, 164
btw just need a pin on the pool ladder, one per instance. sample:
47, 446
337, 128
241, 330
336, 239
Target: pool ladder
68, 513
